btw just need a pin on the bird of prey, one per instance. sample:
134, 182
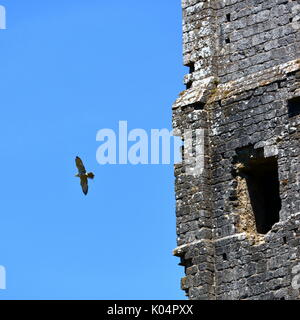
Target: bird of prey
83, 175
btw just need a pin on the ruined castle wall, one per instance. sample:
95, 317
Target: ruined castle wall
261, 34
248, 264
234, 38
243, 89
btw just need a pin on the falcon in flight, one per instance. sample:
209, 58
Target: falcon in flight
83, 175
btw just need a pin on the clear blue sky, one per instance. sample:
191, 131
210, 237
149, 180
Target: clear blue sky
69, 68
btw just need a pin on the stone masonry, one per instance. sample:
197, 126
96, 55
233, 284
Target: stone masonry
238, 216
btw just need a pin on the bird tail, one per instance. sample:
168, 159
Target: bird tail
90, 175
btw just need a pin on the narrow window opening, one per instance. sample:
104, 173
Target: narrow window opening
182, 150
227, 40
225, 257
294, 107
228, 17
191, 67
284, 240
189, 85
291, 19
198, 106
261, 176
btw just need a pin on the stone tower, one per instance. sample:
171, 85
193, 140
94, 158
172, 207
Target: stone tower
238, 186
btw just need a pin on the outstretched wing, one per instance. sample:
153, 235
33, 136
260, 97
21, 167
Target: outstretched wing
80, 166
84, 184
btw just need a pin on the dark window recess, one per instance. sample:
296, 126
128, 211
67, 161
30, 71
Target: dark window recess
261, 175
189, 85
197, 105
284, 240
227, 40
182, 150
294, 107
191, 66
225, 256
228, 17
